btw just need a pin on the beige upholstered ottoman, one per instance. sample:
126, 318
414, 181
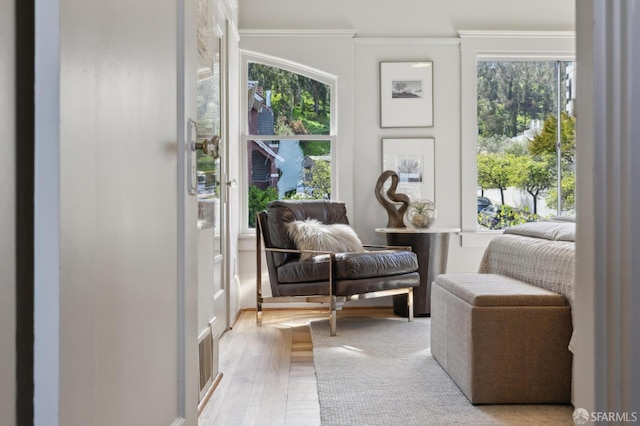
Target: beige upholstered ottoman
501, 340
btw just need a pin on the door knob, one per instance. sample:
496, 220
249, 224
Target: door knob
209, 147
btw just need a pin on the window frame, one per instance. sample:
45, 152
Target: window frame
330, 80
494, 46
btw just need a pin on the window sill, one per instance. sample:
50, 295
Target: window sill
478, 239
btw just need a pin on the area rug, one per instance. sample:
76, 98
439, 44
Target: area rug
379, 371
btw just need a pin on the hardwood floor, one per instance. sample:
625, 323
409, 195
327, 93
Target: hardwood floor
268, 372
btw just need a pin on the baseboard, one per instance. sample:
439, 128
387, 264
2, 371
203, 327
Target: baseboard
205, 399
237, 317
311, 308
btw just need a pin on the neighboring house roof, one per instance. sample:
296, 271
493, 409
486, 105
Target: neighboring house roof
255, 100
271, 153
265, 121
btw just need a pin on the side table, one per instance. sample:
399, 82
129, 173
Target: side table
431, 245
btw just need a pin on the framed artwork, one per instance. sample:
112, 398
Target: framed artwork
406, 94
413, 159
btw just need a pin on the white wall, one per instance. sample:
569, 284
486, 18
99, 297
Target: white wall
119, 345
7, 216
368, 213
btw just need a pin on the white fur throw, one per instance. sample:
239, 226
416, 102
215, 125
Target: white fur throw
314, 235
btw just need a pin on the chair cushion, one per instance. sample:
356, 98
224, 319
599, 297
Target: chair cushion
313, 235
350, 266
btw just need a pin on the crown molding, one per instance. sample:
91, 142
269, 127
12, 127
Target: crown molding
406, 41
516, 34
297, 33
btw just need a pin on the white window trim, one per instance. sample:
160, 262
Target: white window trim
330, 80
494, 45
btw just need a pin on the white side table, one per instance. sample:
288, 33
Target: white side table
431, 245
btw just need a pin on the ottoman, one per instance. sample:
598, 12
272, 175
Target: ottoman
503, 341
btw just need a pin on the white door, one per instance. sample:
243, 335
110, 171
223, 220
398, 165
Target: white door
210, 156
128, 255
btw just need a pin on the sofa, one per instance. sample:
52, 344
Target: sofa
503, 333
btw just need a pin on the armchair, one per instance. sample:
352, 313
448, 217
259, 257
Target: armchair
321, 275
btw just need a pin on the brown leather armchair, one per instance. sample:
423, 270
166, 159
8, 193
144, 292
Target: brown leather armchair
327, 277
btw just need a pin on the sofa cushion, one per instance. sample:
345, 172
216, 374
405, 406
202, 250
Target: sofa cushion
313, 235
497, 290
349, 266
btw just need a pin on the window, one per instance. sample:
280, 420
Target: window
288, 134
482, 53
522, 166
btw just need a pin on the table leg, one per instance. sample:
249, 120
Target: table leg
432, 250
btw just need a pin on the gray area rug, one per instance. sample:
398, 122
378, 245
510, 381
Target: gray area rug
380, 371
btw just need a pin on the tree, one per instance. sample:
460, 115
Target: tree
492, 144
294, 96
494, 172
258, 200
511, 94
567, 188
544, 143
532, 176
399, 87
318, 180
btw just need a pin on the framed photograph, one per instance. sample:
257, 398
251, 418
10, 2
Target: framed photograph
406, 94
413, 159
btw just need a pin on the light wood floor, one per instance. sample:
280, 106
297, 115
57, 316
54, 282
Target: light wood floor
268, 372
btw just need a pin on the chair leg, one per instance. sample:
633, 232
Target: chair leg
410, 303
333, 318
259, 310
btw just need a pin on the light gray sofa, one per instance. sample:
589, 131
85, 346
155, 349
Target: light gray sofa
503, 334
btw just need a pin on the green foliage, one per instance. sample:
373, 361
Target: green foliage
421, 206
511, 94
506, 216
206, 163
318, 180
567, 187
532, 176
501, 144
544, 144
282, 127
295, 96
517, 148
495, 172
315, 148
500, 171
258, 200
493, 144
316, 125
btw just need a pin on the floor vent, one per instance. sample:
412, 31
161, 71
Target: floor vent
205, 363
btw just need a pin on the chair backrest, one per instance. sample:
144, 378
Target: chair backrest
273, 223
282, 212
